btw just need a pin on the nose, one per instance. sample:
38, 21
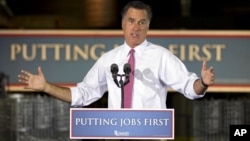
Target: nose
136, 26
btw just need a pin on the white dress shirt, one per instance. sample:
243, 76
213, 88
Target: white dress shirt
156, 69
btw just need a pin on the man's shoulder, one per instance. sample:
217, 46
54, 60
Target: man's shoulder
157, 47
112, 52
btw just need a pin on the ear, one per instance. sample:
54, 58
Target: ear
123, 24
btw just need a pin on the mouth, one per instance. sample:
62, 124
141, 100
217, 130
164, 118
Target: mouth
134, 34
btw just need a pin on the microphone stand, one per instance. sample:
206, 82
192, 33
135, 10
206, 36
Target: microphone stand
114, 71
122, 84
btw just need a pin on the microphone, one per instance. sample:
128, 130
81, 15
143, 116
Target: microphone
114, 70
127, 70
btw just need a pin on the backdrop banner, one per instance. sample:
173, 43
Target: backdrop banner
66, 55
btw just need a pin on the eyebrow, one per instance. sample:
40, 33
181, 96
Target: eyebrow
139, 20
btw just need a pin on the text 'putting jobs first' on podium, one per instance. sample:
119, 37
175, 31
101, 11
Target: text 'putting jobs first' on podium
101, 123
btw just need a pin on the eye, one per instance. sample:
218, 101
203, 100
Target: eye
131, 20
142, 22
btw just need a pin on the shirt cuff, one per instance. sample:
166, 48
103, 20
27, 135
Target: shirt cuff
190, 93
76, 99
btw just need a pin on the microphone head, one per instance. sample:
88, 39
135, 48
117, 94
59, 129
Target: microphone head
127, 68
114, 69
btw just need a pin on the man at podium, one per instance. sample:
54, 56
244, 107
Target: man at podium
153, 70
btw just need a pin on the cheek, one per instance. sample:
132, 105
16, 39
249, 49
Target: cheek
126, 29
145, 31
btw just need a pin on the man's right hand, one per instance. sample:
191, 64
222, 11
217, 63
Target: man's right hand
35, 82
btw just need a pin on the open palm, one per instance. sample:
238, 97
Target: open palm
32, 81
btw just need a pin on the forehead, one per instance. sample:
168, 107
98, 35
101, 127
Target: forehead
136, 14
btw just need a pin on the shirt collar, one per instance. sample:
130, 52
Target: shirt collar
138, 49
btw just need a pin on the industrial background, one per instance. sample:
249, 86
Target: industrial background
105, 14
